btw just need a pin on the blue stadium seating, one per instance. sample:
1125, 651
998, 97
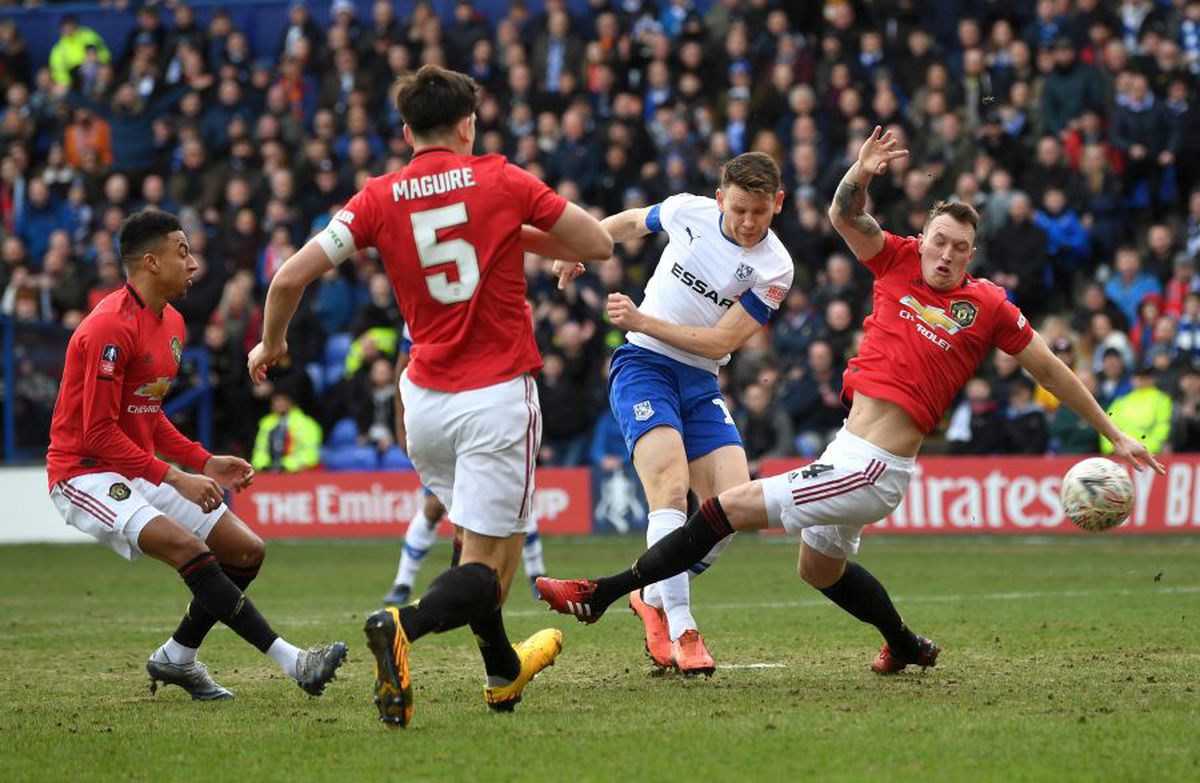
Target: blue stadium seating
344, 433
395, 459
349, 458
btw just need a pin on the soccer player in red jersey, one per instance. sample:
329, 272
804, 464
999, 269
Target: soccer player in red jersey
451, 229
932, 325
106, 480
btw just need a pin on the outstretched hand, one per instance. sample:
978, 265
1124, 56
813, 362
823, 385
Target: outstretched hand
1135, 453
877, 151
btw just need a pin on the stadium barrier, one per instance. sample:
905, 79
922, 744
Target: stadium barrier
993, 495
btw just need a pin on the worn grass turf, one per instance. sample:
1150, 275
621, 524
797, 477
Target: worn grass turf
1075, 660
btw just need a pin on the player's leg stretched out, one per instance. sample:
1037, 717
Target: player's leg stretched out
804, 502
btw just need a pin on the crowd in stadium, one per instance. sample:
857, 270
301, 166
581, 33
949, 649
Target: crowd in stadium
1073, 127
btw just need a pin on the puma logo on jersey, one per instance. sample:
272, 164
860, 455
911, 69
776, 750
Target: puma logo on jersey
691, 237
701, 287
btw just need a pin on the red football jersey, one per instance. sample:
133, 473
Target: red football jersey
921, 346
108, 417
449, 231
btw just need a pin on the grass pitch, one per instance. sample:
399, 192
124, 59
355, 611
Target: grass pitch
1062, 660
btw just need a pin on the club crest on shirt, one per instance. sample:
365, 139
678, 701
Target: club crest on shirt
118, 491
177, 349
108, 359
643, 410
744, 272
963, 312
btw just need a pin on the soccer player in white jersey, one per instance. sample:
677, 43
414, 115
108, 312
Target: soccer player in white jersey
721, 275
422, 530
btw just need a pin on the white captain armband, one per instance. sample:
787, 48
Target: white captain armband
337, 241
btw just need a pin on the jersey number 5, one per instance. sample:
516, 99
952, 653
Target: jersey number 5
460, 252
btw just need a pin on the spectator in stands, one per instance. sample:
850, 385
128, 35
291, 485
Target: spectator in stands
1069, 90
1142, 335
1144, 413
1130, 285
976, 423
1185, 415
1187, 333
1102, 336
40, 216
372, 405
1026, 430
1019, 251
1069, 434
567, 416
70, 51
765, 427
1094, 301
811, 396
795, 328
1114, 381
1142, 131
288, 440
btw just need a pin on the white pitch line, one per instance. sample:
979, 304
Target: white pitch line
752, 666
1015, 595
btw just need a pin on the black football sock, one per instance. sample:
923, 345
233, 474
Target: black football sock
673, 554
196, 622
862, 595
216, 593
499, 657
458, 596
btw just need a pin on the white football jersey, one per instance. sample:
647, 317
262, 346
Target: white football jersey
702, 273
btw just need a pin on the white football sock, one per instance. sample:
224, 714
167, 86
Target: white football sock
420, 537
531, 552
286, 655
174, 652
675, 592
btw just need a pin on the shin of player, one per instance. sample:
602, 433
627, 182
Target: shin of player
720, 276
106, 480
451, 229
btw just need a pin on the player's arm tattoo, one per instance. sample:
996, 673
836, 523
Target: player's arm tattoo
850, 204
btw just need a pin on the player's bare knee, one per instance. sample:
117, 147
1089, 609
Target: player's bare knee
744, 507
818, 569
252, 553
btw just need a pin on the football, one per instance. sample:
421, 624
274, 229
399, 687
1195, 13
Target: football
1097, 494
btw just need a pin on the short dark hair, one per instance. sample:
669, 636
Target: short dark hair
756, 172
958, 210
141, 230
434, 98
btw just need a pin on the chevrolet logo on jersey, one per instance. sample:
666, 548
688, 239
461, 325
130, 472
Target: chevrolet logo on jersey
701, 287
936, 316
155, 390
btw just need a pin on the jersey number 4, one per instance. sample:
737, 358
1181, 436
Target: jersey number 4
460, 252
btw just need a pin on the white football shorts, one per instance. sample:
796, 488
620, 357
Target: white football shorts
113, 509
476, 450
828, 502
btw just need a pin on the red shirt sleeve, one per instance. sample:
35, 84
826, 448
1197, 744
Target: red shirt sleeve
891, 254
1011, 331
172, 444
542, 207
359, 215
108, 347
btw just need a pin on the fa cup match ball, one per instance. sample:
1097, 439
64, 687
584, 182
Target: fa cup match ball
1097, 494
